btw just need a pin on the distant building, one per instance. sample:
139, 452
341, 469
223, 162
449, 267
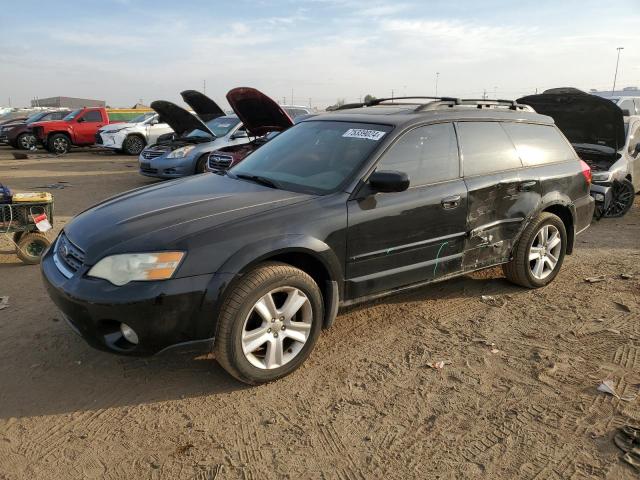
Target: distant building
67, 102
625, 92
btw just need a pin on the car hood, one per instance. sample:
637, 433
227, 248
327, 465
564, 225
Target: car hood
117, 126
181, 121
583, 118
259, 113
165, 215
204, 107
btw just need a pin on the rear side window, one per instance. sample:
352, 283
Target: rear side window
92, 116
427, 154
539, 144
628, 105
634, 138
486, 148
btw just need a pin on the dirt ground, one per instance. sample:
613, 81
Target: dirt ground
365, 405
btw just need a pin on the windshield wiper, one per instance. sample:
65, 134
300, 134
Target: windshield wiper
258, 179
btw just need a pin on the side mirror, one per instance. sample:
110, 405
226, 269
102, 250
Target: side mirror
80, 120
387, 181
625, 112
240, 134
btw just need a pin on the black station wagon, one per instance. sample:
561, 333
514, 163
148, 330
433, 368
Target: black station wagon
339, 209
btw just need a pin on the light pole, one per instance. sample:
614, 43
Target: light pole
615, 77
437, 76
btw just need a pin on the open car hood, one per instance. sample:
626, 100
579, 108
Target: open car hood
181, 121
583, 118
204, 107
259, 114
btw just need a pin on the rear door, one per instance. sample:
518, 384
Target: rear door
87, 125
501, 195
401, 238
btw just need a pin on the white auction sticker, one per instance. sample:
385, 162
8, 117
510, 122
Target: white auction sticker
363, 133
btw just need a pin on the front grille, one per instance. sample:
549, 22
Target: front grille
98, 139
149, 154
219, 162
68, 256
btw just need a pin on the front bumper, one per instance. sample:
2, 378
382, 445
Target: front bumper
163, 167
164, 314
603, 196
111, 140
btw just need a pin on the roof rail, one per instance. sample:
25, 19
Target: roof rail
478, 102
393, 100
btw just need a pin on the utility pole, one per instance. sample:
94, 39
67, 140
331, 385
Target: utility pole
437, 77
484, 94
204, 86
615, 77
392, 95
309, 102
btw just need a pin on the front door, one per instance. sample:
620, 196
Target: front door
403, 238
86, 127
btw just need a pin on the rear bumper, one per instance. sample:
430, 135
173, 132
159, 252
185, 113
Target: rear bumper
585, 207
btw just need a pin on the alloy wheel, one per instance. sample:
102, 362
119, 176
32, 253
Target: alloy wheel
544, 252
27, 142
60, 145
623, 196
277, 328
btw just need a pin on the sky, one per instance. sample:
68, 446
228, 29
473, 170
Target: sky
314, 51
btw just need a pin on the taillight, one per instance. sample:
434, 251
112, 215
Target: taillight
586, 171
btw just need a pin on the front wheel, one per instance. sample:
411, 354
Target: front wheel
268, 323
27, 141
201, 166
623, 196
539, 254
133, 145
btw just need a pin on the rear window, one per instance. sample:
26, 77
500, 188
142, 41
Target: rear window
539, 144
485, 148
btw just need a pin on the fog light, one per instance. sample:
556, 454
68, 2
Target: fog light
128, 333
599, 197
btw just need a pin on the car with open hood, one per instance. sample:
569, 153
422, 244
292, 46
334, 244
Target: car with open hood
262, 118
186, 151
603, 137
339, 209
131, 137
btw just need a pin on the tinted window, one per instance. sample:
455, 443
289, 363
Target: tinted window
92, 116
485, 148
314, 156
427, 154
538, 144
628, 105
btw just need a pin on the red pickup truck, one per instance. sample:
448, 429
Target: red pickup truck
78, 128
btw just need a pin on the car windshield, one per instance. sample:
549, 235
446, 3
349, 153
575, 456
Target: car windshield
314, 156
142, 118
72, 115
35, 117
219, 126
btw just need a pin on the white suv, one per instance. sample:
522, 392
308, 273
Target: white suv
133, 136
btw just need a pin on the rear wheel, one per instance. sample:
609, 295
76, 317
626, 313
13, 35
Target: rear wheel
133, 145
623, 196
269, 323
26, 141
31, 246
539, 254
59, 144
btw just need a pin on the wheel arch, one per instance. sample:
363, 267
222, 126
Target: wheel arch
567, 215
310, 255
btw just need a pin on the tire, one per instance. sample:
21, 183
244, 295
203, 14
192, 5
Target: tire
623, 197
281, 282
201, 165
521, 270
59, 144
26, 141
31, 247
133, 145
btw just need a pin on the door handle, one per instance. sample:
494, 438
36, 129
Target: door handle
527, 186
451, 202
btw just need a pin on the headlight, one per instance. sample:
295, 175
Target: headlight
112, 131
129, 267
601, 176
181, 152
